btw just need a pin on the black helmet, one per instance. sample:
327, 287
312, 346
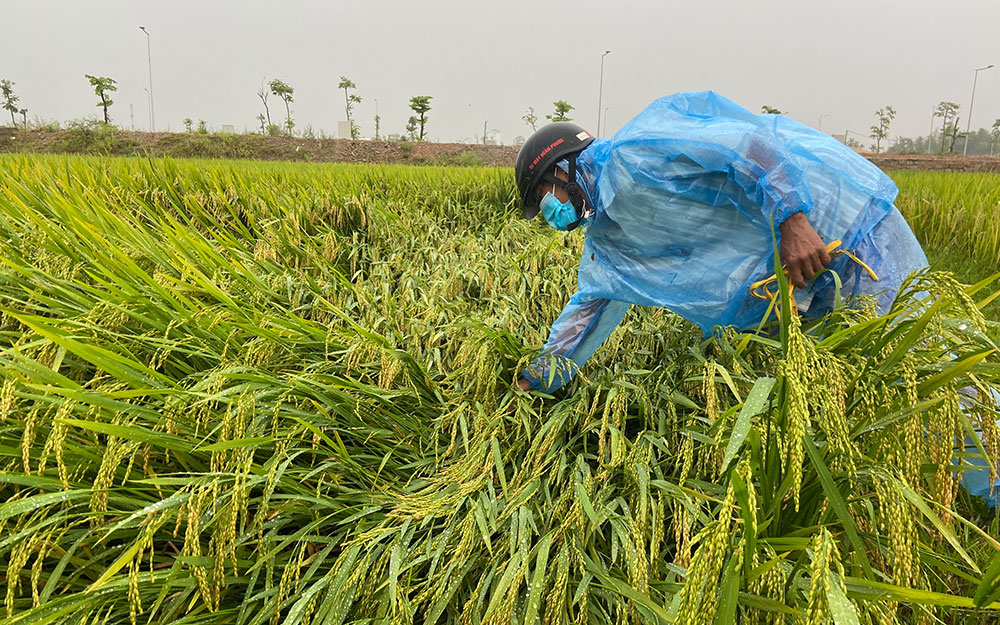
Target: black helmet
544, 148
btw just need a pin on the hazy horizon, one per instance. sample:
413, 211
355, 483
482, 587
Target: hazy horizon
489, 63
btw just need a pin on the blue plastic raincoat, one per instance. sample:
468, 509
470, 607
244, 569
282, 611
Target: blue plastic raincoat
684, 198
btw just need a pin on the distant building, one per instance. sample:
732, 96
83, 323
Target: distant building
228, 129
518, 140
343, 130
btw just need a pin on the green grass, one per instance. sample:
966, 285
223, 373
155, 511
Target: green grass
239, 392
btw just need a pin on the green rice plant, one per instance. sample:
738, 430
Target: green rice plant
956, 216
281, 393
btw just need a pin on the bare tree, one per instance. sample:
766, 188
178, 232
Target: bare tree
954, 133
530, 118
262, 94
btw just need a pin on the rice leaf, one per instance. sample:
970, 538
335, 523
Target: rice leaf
753, 405
919, 503
837, 503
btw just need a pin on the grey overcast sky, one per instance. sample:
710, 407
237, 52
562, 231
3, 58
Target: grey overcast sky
488, 62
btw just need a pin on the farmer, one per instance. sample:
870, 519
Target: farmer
678, 209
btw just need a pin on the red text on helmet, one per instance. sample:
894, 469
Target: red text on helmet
544, 152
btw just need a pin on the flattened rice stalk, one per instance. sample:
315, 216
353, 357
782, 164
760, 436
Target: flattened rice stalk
28, 436
18, 558
44, 546
658, 529
56, 440
616, 411
8, 401
192, 541
560, 573
117, 450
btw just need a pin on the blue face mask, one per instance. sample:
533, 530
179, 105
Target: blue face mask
559, 215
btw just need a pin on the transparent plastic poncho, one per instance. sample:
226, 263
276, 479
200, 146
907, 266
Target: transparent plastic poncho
685, 195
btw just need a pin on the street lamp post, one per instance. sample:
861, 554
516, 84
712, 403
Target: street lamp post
606, 118
972, 100
149, 61
600, 93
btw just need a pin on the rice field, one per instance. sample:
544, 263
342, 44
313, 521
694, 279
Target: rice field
255, 393
956, 216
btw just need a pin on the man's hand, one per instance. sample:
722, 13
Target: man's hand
523, 384
802, 251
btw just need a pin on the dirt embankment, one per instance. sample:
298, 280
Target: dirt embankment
195, 145
101, 140
938, 162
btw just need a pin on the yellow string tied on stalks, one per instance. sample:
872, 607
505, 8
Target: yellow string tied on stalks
760, 288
